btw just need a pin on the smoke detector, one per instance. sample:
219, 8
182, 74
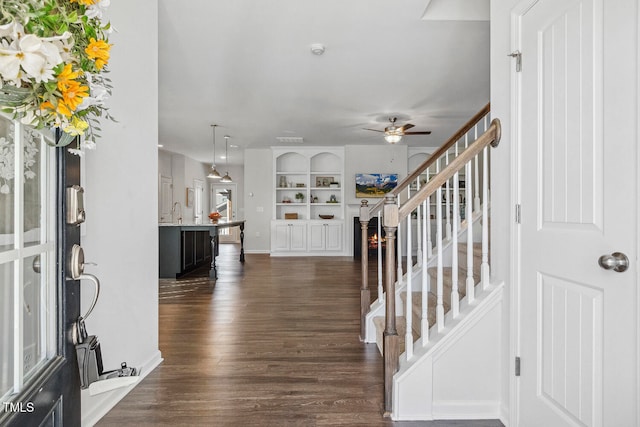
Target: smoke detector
317, 49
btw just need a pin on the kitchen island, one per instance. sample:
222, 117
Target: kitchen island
188, 247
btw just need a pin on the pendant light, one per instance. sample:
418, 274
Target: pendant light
226, 177
214, 174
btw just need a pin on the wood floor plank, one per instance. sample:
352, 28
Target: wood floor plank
273, 342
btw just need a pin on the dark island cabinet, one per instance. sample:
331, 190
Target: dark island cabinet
183, 250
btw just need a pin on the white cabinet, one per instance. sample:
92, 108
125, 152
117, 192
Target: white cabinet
308, 189
288, 236
325, 236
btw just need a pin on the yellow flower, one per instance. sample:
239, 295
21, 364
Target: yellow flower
85, 2
76, 127
66, 76
73, 93
98, 50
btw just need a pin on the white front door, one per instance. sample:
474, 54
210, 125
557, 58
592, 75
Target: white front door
578, 164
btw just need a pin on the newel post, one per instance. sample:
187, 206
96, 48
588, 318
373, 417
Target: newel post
391, 342
365, 292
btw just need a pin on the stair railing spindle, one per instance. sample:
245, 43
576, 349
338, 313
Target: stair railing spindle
379, 250
484, 265
399, 274
447, 197
424, 315
470, 283
439, 266
455, 295
419, 212
476, 180
365, 292
429, 244
408, 342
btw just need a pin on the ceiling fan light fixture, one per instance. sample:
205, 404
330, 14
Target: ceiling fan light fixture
393, 138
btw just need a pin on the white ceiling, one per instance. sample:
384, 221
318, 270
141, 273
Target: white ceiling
246, 65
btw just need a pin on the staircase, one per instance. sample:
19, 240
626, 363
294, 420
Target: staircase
438, 324
432, 298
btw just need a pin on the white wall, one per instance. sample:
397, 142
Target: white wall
121, 181
502, 209
258, 199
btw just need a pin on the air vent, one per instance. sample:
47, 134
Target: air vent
297, 139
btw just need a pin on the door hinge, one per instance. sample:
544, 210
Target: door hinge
518, 214
517, 366
518, 55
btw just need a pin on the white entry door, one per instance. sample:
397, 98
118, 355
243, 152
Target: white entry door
578, 164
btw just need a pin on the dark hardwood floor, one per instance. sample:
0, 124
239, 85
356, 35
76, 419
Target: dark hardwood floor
273, 342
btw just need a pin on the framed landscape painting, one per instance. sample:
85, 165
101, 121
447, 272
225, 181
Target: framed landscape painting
370, 185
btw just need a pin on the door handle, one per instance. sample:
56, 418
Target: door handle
76, 268
617, 261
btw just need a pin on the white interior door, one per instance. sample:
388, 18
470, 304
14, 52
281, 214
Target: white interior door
578, 164
165, 199
198, 209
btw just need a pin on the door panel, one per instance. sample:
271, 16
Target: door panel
578, 195
39, 379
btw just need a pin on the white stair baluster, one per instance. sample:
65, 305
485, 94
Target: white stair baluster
447, 197
424, 316
455, 296
399, 273
470, 283
429, 244
380, 279
484, 266
408, 342
439, 265
476, 180
419, 212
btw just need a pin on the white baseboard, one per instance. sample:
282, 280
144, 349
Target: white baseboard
466, 410
96, 407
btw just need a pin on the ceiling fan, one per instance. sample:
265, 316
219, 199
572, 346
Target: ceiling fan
393, 133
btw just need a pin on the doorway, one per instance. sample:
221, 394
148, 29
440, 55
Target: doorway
222, 199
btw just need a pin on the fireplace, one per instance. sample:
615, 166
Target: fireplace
372, 238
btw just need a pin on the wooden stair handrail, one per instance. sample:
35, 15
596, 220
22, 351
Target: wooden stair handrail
435, 155
491, 136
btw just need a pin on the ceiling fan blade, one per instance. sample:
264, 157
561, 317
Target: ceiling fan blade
405, 127
418, 133
375, 130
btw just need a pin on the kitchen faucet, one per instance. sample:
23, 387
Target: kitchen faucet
173, 212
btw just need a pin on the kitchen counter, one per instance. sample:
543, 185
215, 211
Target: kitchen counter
187, 247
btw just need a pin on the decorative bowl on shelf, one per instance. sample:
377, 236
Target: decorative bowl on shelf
326, 216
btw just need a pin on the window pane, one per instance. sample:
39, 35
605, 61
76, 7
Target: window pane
7, 186
33, 194
6, 327
34, 312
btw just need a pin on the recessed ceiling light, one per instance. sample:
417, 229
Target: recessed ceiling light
160, 145
233, 146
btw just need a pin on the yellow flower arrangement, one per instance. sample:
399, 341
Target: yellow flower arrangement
53, 64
